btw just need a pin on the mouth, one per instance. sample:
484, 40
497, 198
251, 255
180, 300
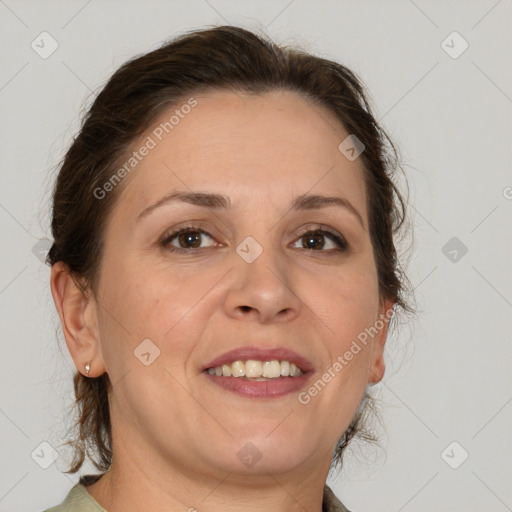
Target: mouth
255, 370
259, 373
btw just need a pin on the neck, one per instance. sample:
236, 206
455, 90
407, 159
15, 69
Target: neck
136, 482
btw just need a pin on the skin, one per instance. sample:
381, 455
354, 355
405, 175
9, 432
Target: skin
176, 435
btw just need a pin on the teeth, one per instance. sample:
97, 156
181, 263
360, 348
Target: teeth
294, 371
257, 370
253, 368
238, 369
271, 369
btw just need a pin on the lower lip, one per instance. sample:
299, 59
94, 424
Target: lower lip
260, 389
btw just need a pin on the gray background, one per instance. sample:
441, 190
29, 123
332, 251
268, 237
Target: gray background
448, 376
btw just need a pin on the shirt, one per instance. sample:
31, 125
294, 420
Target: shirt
79, 500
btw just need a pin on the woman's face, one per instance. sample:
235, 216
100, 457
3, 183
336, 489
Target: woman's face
253, 270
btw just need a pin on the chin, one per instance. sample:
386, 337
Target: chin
263, 454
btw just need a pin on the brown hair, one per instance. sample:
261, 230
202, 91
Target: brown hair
227, 58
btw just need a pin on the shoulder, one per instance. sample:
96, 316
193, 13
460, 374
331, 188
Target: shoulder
331, 503
78, 500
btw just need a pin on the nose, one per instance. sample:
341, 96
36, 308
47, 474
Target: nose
262, 291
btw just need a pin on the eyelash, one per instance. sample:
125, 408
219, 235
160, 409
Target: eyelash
339, 240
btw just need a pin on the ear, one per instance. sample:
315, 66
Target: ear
79, 318
377, 365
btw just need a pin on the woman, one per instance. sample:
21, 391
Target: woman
225, 274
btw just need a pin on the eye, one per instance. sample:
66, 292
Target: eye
321, 240
190, 238
186, 238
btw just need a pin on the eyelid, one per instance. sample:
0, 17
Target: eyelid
175, 232
317, 227
336, 237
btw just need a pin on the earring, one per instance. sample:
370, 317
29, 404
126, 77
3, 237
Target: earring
87, 368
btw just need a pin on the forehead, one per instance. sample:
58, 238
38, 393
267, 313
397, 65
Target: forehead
245, 145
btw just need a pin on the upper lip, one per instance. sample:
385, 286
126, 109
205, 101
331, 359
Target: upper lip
260, 354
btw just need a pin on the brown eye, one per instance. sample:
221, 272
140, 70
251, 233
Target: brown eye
323, 241
186, 238
190, 239
313, 241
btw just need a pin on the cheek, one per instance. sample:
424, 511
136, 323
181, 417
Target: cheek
144, 302
348, 303
347, 308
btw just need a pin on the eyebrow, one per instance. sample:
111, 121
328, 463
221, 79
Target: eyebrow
316, 202
217, 201
196, 198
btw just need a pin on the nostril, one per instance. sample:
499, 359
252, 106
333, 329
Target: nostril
245, 308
